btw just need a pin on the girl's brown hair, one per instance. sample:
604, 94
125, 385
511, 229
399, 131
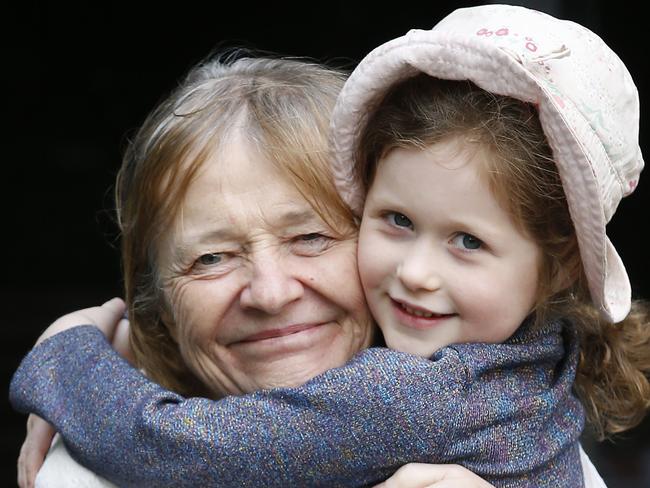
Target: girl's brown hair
281, 107
612, 380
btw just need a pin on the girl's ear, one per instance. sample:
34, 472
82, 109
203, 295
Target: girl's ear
561, 280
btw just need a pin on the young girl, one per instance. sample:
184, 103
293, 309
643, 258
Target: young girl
455, 265
489, 174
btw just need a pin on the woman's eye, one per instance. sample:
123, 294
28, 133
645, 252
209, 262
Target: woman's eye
399, 220
311, 237
213, 264
210, 259
311, 244
466, 242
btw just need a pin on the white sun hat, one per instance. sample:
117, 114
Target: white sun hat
587, 103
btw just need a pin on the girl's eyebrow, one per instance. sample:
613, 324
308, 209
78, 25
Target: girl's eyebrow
480, 226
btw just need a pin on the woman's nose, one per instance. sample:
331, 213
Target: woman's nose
272, 285
418, 271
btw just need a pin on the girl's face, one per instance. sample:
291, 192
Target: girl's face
440, 260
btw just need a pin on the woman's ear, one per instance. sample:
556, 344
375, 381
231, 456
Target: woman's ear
167, 318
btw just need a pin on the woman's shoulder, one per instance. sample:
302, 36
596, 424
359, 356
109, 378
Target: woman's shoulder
589, 472
60, 470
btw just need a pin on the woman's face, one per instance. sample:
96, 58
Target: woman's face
260, 291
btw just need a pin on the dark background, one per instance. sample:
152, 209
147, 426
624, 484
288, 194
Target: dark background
78, 80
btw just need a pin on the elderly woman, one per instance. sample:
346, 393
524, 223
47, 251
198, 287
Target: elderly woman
239, 260
240, 272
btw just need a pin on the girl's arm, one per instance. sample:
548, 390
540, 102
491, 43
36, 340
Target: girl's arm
109, 318
40, 433
133, 432
352, 425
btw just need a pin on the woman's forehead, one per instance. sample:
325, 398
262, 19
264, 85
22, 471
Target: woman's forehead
239, 187
237, 169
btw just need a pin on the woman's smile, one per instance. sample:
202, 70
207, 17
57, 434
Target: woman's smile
279, 343
280, 332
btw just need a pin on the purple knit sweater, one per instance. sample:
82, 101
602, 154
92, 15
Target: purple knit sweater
505, 411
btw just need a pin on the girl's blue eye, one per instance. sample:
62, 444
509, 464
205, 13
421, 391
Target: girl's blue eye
210, 259
399, 220
467, 242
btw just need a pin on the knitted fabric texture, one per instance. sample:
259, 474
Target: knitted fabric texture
505, 411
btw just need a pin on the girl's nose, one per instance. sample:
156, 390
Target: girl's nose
418, 270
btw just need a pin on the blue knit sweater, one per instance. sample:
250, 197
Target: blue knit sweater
505, 411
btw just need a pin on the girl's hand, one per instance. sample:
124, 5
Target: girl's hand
109, 318
32, 453
415, 475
